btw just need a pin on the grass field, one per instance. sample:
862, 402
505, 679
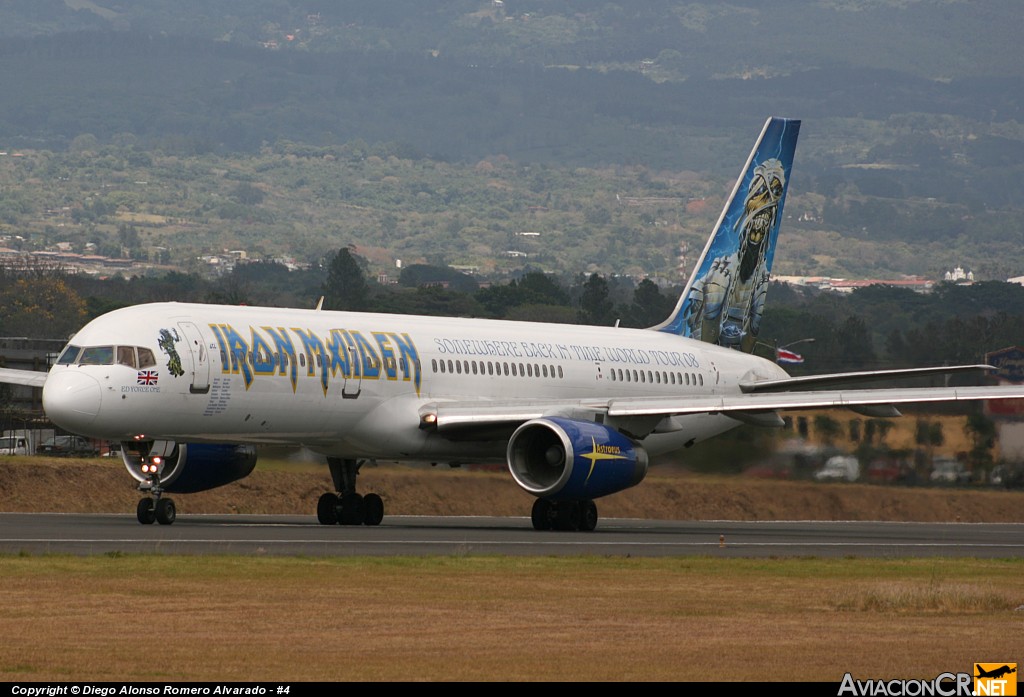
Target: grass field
162, 618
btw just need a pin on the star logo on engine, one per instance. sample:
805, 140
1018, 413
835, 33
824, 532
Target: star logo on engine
601, 452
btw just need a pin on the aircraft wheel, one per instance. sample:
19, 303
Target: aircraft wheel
145, 511
588, 516
327, 509
373, 509
540, 516
568, 516
166, 511
351, 511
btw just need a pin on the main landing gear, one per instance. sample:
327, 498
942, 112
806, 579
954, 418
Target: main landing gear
347, 507
564, 515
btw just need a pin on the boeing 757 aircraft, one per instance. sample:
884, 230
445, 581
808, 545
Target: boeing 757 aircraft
574, 411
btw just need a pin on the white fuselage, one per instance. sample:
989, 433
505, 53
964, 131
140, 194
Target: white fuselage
355, 384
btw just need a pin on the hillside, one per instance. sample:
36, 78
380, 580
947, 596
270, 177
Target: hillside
441, 132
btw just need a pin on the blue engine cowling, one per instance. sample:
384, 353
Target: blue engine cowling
193, 467
562, 459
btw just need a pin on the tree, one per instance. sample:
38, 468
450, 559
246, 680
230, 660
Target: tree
595, 306
38, 302
826, 428
346, 287
982, 432
649, 306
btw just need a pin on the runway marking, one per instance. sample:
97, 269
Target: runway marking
587, 542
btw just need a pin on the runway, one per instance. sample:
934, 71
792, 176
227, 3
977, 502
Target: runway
81, 534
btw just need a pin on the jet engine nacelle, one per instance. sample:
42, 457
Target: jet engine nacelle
562, 459
189, 467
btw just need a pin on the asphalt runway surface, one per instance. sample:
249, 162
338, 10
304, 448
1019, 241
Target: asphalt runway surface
83, 534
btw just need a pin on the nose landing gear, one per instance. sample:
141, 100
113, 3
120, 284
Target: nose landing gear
156, 509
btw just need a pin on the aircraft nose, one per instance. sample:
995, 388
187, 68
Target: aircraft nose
71, 400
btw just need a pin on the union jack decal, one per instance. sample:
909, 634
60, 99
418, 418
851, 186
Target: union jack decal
148, 377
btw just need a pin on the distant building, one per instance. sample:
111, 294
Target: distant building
958, 275
842, 285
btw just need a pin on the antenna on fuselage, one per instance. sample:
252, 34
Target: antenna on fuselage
320, 304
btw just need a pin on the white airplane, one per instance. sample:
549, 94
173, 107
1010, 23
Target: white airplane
574, 411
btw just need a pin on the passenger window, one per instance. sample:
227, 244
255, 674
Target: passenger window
146, 358
559, 371
97, 355
126, 356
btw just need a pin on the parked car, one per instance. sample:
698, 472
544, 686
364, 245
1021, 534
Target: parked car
1007, 476
839, 468
882, 471
890, 471
67, 446
946, 470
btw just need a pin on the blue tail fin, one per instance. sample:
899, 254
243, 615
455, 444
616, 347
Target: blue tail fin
723, 302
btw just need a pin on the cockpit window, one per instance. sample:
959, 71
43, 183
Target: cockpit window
97, 355
126, 356
130, 356
69, 355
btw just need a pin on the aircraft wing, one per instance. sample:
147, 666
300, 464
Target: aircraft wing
466, 418
807, 400
32, 378
853, 378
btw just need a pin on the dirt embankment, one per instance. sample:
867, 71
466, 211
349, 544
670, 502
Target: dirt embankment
102, 486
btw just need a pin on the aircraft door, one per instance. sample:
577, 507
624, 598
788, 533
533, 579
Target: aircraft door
354, 382
199, 355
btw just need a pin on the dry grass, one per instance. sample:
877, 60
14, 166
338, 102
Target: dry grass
32, 484
488, 618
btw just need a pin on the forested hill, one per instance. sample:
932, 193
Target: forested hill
910, 160
570, 81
